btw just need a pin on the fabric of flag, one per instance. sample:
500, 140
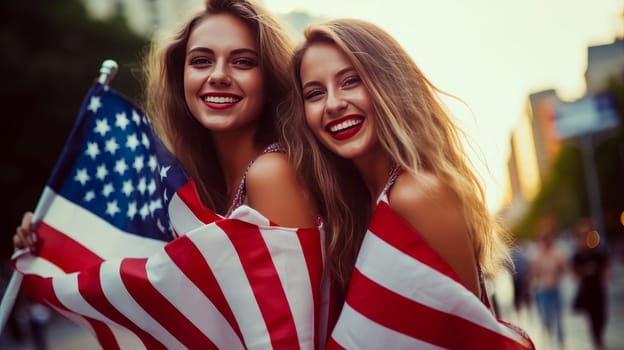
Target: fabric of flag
126, 249
403, 295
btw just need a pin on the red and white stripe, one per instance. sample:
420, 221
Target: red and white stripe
235, 283
403, 295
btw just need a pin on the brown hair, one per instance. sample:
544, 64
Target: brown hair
187, 138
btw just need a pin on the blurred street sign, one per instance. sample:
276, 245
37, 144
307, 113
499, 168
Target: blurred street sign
587, 115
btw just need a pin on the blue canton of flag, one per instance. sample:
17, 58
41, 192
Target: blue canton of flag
116, 167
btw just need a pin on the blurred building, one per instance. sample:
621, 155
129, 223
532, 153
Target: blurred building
157, 17
523, 179
145, 17
604, 62
542, 113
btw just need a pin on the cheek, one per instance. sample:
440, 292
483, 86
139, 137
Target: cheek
252, 82
311, 117
188, 84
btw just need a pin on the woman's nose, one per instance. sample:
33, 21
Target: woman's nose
335, 103
219, 75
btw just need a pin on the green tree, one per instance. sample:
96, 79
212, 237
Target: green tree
52, 51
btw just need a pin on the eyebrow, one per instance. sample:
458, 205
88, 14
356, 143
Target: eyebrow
341, 72
233, 52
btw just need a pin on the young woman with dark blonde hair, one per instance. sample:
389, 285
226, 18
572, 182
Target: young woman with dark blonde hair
213, 93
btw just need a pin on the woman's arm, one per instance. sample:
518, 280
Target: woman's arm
274, 190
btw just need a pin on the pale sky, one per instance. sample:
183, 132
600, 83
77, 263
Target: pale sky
492, 54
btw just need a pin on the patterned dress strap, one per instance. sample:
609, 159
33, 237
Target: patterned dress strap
395, 171
241, 192
484, 293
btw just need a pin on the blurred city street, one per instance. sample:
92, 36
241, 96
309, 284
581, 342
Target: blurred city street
62, 334
575, 326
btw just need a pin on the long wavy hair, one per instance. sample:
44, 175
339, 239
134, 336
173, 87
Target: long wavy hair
165, 104
412, 126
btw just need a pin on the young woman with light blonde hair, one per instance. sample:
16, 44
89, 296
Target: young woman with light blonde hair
362, 113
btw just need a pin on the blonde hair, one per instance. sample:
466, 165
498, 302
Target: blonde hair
187, 138
413, 128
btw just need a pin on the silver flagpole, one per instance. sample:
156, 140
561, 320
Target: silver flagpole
9, 297
108, 69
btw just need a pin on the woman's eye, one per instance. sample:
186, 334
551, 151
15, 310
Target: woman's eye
245, 62
351, 81
199, 61
312, 94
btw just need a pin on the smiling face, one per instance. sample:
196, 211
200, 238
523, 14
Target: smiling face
223, 81
337, 105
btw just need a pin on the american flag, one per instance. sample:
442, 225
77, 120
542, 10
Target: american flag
402, 295
126, 249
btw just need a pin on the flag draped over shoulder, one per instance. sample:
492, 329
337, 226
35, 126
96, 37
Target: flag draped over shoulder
403, 295
126, 249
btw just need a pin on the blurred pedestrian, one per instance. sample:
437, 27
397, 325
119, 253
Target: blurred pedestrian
592, 267
520, 276
547, 270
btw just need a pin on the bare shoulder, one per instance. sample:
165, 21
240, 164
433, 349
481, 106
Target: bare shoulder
269, 166
275, 190
432, 208
424, 197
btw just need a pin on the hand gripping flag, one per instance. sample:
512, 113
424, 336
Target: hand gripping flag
402, 295
126, 249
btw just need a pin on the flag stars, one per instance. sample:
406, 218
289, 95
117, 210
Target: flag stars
136, 117
132, 210
92, 150
107, 189
111, 146
142, 186
82, 176
112, 208
121, 120
127, 188
89, 196
101, 127
94, 104
152, 163
145, 140
163, 172
144, 212
151, 188
121, 166
132, 142
101, 172
138, 163
157, 204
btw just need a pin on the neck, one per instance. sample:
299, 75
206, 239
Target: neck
234, 153
375, 170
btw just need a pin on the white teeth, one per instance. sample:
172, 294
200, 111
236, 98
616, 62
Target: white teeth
345, 125
219, 99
